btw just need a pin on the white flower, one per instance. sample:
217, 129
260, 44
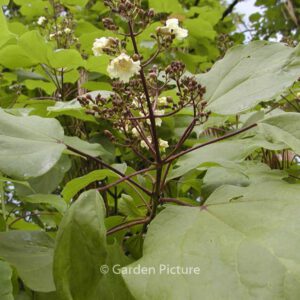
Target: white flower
172, 26
135, 132
144, 144
52, 36
162, 101
41, 20
123, 67
163, 145
158, 112
144, 112
135, 102
158, 121
100, 44
67, 30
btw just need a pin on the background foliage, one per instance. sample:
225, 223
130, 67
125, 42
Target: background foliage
57, 229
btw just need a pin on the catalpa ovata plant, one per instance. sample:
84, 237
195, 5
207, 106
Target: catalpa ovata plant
137, 107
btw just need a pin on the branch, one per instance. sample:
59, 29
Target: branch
226, 136
229, 9
177, 201
291, 11
167, 114
151, 59
144, 82
103, 164
127, 177
127, 225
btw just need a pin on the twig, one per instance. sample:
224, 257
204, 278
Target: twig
226, 136
151, 114
127, 225
229, 9
127, 177
176, 201
102, 163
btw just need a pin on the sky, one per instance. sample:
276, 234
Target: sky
246, 7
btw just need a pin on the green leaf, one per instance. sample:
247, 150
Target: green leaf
171, 6
5, 34
35, 46
249, 181
218, 153
207, 13
75, 2
127, 206
48, 182
13, 56
98, 64
48, 87
65, 58
6, 288
240, 174
77, 184
33, 8
80, 248
112, 285
53, 200
275, 133
193, 25
245, 250
30, 146
250, 74
31, 253
23, 183
284, 128
92, 149
269, 190
70, 108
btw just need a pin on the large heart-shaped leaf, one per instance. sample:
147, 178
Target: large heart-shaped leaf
81, 250
5, 34
31, 253
46, 183
70, 108
29, 146
54, 200
269, 190
6, 288
275, 133
229, 150
77, 184
249, 74
245, 250
283, 128
240, 175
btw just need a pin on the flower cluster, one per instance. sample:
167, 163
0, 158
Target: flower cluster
61, 28
41, 20
172, 28
138, 106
